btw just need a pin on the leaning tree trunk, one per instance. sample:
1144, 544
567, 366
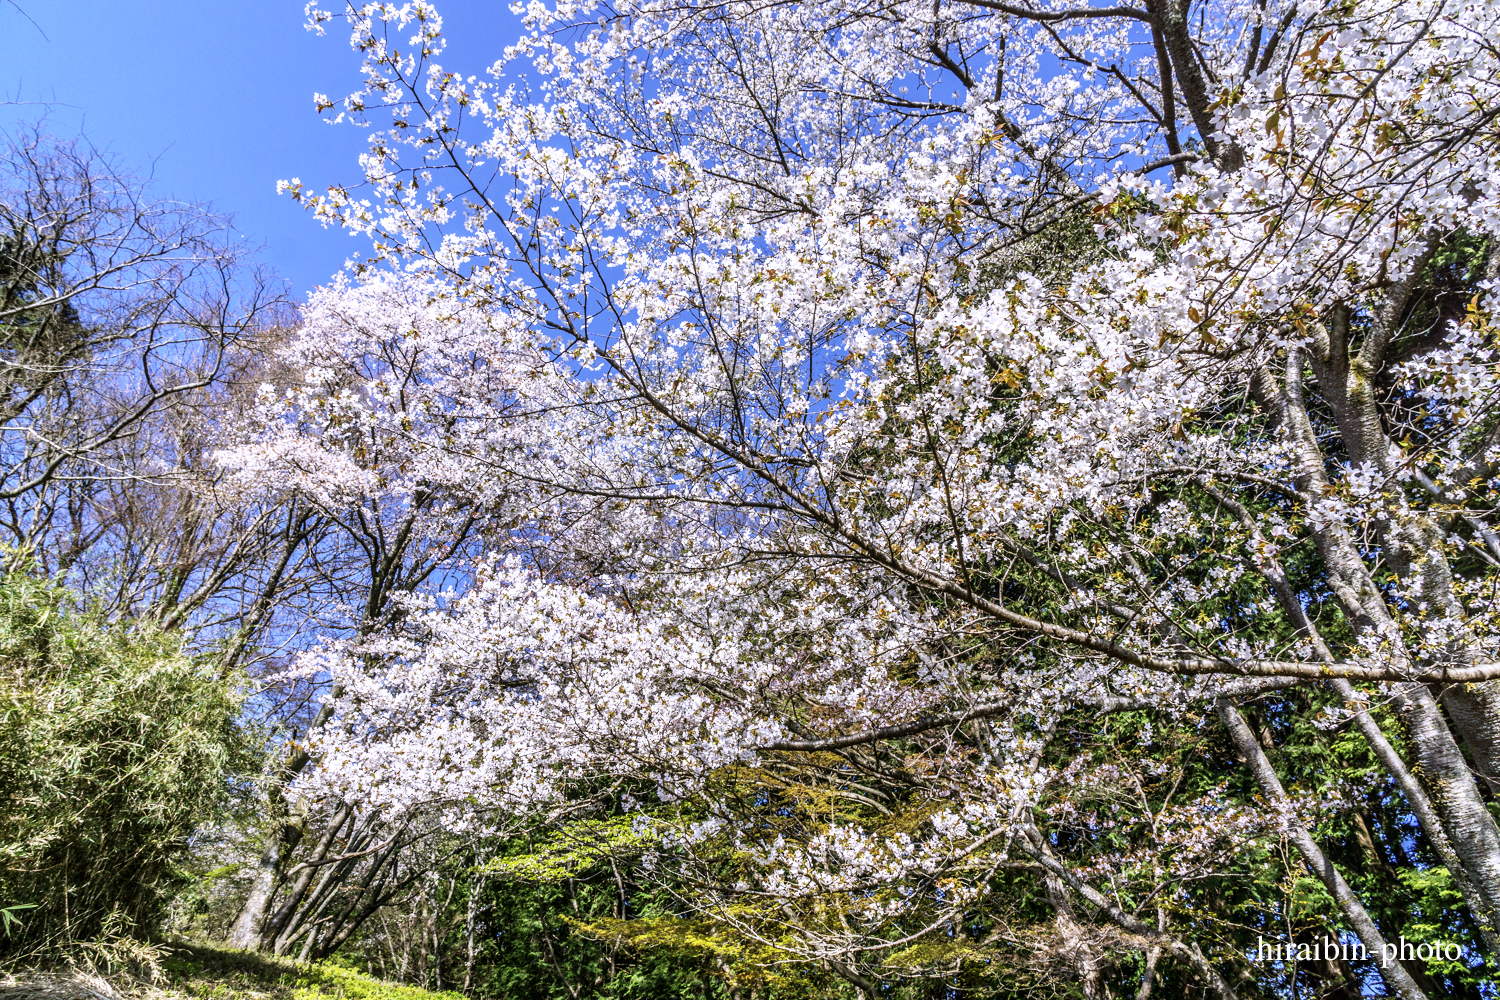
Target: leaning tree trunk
1346, 384
288, 823
1248, 747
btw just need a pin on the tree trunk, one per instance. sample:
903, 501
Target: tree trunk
1248, 747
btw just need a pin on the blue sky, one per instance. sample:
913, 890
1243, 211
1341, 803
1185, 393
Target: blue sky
213, 99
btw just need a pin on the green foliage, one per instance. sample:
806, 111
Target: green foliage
574, 912
328, 980
539, 916
1258, 888
115, 747
205, 973
558, 858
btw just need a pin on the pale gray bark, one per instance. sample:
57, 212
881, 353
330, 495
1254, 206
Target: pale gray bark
1188, 952
1453, 791
1469, 824
476, 886
1475, 710
1078, 950
285, 833
245, 933
1395, 975
309, 868
1481, 906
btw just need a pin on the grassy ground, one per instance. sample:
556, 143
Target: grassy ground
200, 972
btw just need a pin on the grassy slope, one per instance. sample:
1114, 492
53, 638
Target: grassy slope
197, 972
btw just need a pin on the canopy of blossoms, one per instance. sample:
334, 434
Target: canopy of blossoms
875, 390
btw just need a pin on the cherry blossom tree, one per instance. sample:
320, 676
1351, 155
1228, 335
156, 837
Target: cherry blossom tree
363, 425
937, 382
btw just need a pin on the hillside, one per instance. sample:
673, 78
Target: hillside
199, 972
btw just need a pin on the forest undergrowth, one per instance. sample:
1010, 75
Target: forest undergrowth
198, 971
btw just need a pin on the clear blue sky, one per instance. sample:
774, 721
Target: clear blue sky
213, 99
